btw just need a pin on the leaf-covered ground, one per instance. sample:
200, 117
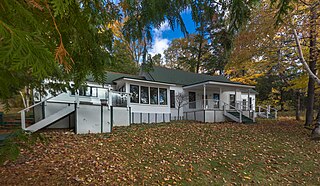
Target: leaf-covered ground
183, 153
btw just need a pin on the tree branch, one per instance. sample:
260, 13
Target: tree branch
311, 74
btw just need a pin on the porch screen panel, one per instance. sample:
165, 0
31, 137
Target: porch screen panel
172, 99
192, 100
163, 96
144, 97
134, 90
154, 95
216, 98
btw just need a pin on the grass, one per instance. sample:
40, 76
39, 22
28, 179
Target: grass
182, 153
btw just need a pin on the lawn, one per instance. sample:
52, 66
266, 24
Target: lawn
182, 153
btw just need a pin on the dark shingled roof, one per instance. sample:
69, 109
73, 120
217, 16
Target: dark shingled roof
166, 75
112, 76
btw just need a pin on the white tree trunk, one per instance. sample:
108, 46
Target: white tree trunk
305, 64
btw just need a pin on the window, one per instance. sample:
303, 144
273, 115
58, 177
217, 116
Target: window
153, 95
244, 104
216, 98
163, 96
232, 100
172, 99
144, 97
134, 90
87, 91
250, 103
192, 100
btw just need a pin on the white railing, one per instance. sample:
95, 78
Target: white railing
120, 99
244, 105
231, 107
23, 112
211, 104
206, 104
267, 111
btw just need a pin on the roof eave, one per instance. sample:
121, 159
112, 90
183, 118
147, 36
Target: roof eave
145, 81
218, 83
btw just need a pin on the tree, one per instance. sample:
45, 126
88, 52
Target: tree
57, 40
123, 61
311, 8
189, 54
181, 100
69, 40
316, 131
157, 60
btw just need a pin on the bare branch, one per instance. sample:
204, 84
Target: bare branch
311, 74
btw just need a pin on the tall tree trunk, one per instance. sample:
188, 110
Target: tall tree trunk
281, 100
318, 116
312, 65
315, 134
199, 55
298, 94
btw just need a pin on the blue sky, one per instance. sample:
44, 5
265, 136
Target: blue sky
164, 35
169, 34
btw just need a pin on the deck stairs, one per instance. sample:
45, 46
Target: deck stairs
235, 116
51, 119
46, 121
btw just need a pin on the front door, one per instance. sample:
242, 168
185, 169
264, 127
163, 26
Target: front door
216, 98
232, 101
192, 100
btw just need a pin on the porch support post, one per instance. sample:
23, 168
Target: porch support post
77, 101
204, 96
220, 94
249, 106
235, 99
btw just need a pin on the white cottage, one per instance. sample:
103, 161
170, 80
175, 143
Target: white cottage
150, 97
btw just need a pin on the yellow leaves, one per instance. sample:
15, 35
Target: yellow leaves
275, 91
116, 27
300, 82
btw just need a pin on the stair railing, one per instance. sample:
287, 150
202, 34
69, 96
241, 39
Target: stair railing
263, 110
23, 112
275, 112
244, 105
231, 107
267, 110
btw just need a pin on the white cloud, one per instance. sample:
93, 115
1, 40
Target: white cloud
160, 44
163, 27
